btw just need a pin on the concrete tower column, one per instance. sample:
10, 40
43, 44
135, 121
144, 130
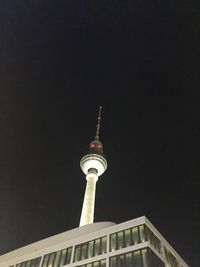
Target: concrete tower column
93, 165
87, 214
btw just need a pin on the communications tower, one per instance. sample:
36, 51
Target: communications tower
93, 165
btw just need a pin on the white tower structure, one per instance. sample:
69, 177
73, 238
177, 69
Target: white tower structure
93, 165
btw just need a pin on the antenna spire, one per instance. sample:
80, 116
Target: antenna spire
98, 123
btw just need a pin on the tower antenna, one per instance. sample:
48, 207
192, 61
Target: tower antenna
98, 124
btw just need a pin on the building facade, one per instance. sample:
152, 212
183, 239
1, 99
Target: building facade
135, 243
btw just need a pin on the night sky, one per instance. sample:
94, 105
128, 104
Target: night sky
60, 60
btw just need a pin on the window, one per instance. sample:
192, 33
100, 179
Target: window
103, 244
63, 257
170, 258
113, 261
90, 249
45, 261
113, 243
29, 263
153, 239
51, 259
121, 261
126, 238
84, 251
68, 258
142, 233
128, 259
139, 258
101, 263
77, 255
127, 234
57, 259
144, 258
97, 247
134, 236
120, 240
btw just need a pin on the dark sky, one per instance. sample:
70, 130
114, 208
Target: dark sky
59, 60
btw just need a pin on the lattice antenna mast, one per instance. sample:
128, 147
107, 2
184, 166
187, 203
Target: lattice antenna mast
98, 124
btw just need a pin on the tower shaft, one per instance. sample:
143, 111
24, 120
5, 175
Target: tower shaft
87, 214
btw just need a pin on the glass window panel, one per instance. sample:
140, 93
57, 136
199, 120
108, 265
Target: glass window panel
96, 264
142, 235
33, 262
69, 254
121, 262
144, 258
103, 263
135, 235
153, 239
89, 265
97, 247
45, 260
84, 251
151, 258
63, 257
137, 259
51, 260
113, 262
28, 263
127, 234
113, 242
91, 249
158, 244
128, 260
103, 244
154, 260
166, 254
23, 264
149, 235
37, 264
120, 239
77, 253
57, 259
